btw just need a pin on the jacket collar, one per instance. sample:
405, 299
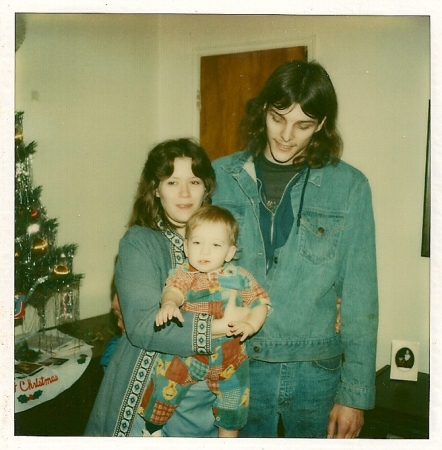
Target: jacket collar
315, 177
244, 161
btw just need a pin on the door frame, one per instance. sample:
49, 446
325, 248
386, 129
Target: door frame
198, 52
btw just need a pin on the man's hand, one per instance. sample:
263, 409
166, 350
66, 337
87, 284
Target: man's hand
345, 422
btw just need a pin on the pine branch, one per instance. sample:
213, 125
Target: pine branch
41, 268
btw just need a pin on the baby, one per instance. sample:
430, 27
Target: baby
208, 283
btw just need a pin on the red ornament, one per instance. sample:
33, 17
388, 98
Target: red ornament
34, 213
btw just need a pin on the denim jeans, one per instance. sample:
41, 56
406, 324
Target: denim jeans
299, 393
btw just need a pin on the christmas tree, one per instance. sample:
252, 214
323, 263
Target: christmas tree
42, 269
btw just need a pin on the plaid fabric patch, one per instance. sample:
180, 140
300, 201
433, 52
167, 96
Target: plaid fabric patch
197, 369
214, 375
179, 279
214, 385
230, 399
214, 308
162, 412
252, 293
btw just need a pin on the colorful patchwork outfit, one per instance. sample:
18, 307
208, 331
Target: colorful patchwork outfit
226, 370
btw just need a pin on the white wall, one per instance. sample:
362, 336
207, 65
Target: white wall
96, 79
109, 87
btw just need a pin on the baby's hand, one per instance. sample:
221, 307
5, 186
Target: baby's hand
243, 329
167, 312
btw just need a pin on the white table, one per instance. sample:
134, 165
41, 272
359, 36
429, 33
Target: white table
58, 370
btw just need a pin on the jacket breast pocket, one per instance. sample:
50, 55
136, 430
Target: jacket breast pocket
320, 235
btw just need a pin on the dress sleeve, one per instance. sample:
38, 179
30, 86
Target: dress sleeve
140, 274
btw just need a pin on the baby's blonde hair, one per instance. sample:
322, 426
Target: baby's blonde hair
213, 214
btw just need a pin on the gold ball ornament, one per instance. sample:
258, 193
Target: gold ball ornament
61, 269
40, 246
18, 135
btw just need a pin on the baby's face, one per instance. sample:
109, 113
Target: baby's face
208, 246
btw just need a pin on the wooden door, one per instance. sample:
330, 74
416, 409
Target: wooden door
227, 82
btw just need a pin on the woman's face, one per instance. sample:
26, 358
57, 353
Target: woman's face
181, 194
289, 132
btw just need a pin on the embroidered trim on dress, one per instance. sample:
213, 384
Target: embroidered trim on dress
177, 247
147, 360
142, 373
202, 326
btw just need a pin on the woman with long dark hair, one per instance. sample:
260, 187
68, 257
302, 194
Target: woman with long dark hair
176, 180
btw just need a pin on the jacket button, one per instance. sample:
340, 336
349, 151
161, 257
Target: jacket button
321, 230
275, 260
256, 349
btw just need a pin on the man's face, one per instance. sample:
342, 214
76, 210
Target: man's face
289, 131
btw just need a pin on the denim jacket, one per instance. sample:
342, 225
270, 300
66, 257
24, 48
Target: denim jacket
331, 254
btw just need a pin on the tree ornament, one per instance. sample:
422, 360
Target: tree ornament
61, 269
39, 246
67, 307
33, 228
64, 265
35, 214
18, 135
